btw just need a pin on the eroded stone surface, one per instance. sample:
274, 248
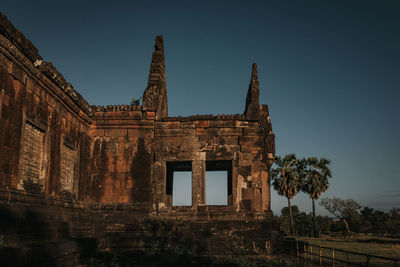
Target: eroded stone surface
155, 95
31, 164
69, 160
252, 110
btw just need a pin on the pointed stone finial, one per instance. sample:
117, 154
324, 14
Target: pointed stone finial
254, 73
252, 109
155, 95
159, 45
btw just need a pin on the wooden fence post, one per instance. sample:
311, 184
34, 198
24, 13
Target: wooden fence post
320, 255
292, 247
368, 258
308, 249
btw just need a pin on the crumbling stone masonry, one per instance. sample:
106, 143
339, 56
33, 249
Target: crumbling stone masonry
70, 171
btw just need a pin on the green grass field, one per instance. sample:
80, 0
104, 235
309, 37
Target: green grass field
368, 244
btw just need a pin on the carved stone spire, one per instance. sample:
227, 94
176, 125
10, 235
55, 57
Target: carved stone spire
155, 95
252, 109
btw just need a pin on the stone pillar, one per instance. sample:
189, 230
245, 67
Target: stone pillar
232, 199
159, 182
268, 184
198, 183
265, 190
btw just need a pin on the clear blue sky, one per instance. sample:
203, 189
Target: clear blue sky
329, 71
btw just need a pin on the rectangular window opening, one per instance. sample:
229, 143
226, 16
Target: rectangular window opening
218, 182
179, 182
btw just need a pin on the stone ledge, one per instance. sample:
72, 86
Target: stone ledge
115, 108
50, 79
15, 42
142, 210
18, 39
208, 117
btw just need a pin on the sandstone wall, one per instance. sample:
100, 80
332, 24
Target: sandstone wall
70, 171
130, 151
40, 114
53, 142
68, 232
202, 139
120, 155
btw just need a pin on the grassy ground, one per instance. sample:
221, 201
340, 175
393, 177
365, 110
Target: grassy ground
259, 261
368, 244
183, 259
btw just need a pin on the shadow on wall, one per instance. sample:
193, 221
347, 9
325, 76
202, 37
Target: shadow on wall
141, 174
22, 221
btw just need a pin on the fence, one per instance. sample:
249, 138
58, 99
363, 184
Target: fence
329, 256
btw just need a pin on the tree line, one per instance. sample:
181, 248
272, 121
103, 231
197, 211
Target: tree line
311, 176
366, 220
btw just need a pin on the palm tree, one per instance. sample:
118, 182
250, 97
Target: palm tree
315, 173
286, 180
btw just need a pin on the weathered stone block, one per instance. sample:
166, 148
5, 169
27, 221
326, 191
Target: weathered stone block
3, 63
254, 141
200, 131
149, 115
202, 124
256, 199
229, 131
18, 74
251, 131
246, 149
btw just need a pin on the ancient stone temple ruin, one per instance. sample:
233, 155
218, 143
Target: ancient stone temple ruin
73, 174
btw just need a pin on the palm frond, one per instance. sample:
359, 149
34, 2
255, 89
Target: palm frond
316, 173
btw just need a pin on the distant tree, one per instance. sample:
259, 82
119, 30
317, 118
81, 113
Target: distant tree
316, 173
355, 222
284, 224
135, 101
379, 221
393, 224
341, 209
303, 224
376, 221
324, 223
286, 180
302, 221
395, 213
285, 211
284, 218
366, 215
